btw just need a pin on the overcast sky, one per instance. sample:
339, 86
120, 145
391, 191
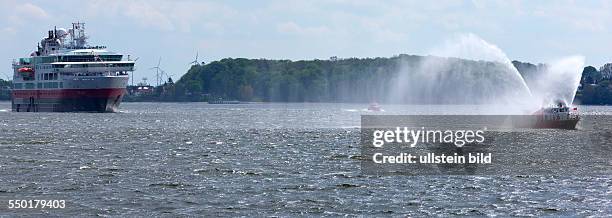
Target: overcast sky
533, 31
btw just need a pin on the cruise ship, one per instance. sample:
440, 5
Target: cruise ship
65, 74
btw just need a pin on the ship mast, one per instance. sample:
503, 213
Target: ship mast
77, 35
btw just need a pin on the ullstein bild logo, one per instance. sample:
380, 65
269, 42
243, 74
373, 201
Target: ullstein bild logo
470, 145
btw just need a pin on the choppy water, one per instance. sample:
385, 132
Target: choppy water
264, 159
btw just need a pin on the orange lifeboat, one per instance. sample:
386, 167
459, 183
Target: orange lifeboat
25, 70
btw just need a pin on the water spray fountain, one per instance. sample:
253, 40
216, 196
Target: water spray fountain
469, 70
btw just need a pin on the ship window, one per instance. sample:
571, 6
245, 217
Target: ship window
50, 85
46, 76
40, 85
17, 85
29, 85
25, 60
61, 85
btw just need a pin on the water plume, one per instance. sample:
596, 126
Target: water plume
557, 81
470, 70
465, 70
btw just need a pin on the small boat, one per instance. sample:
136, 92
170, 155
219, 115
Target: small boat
374, 107
559, 116
221, 101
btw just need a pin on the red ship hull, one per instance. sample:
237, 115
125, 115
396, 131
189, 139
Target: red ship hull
557, 124
67, 100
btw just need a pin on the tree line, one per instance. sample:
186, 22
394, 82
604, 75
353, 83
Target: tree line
351, 80
358, 80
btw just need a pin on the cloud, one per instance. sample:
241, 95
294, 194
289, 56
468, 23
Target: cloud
594, 18
8, 31
147, 15
28, 10
293, 28
17, 14
163, 15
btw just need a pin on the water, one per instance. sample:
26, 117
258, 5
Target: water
177, 159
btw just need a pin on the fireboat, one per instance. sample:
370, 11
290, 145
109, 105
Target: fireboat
559, 116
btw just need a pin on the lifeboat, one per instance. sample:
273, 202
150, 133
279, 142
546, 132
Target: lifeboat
25, 70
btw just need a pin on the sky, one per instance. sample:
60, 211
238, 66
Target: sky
175, 31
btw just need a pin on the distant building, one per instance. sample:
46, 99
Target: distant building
140, 90
606, 71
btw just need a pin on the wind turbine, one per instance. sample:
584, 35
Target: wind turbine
157, 69
194, 62
132, 70
163, 72
7, 77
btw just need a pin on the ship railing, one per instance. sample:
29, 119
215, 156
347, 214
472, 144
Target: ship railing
95, 74
84, 47
93, 69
